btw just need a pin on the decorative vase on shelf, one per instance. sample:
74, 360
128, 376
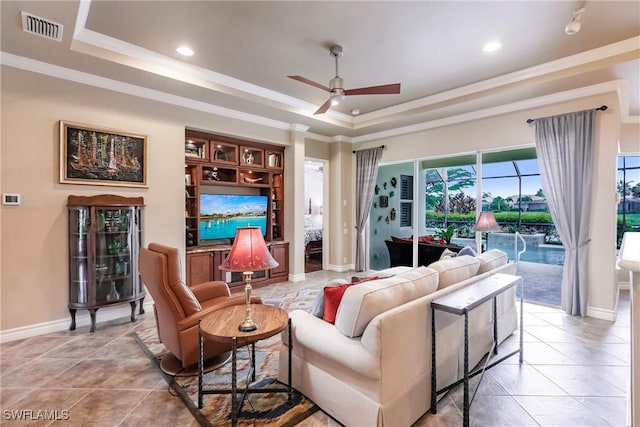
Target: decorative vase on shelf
124, 222
101, 271
113, 294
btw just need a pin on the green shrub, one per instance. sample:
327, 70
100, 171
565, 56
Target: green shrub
527, 217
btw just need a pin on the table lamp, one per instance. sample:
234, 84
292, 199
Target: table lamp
249, 253
486, 223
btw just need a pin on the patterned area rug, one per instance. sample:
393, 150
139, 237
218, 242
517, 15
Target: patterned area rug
271, 409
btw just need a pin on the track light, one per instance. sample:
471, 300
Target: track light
574, 26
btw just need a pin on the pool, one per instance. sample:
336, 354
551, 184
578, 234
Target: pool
545, 254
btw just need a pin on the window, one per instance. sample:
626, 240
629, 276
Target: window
406, 200
628, 187
450, 191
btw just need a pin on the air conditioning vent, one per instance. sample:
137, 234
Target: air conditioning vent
41, 27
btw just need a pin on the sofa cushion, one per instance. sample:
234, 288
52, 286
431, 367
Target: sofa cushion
392, 271
491, 259
455, 270
362, 303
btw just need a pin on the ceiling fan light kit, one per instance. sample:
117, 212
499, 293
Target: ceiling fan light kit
336, 89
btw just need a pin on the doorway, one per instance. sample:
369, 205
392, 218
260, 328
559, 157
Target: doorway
314, 220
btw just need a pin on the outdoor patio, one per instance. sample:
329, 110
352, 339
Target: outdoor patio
542, 282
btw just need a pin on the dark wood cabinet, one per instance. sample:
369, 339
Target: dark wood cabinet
199, 268
280, 252
105, 236
202, 266
217, 164
221, 164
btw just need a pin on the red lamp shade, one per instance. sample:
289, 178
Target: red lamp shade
487, 222
249, 252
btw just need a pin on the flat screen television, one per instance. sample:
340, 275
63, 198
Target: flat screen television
221, 214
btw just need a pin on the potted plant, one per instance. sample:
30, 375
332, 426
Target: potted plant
446, 234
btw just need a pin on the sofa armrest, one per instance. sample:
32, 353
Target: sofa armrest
209, 290
320, 343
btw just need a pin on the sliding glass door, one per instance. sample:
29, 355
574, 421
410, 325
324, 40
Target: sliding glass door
629, 195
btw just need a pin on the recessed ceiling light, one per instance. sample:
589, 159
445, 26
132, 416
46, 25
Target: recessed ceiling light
185, 50
491, 47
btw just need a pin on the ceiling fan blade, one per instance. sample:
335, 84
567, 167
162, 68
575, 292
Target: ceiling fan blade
375, 90
309, 82
323, 108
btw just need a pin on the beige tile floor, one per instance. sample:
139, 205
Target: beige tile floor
575, 374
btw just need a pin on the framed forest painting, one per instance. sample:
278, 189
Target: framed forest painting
96, 156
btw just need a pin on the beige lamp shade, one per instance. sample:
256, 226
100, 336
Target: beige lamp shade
487, 222
249, 252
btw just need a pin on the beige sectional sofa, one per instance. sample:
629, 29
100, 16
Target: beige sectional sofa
373, 367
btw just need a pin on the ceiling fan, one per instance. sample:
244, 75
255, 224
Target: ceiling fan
336, 89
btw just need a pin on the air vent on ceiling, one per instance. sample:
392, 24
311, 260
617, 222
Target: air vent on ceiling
41, 27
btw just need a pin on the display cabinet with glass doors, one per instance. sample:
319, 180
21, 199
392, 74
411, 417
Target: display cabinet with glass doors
105, 236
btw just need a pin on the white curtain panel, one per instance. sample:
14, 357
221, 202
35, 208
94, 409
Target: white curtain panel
565, 154
367, 162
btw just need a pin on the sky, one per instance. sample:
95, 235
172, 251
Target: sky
508, 186
231, 203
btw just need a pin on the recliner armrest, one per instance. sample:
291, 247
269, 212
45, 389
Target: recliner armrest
209, 290
212, 305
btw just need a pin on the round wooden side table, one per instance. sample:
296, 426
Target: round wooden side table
222, 326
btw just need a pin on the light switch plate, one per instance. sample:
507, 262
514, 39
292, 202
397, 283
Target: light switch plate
10, 199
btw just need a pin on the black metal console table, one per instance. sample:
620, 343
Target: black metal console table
461, 302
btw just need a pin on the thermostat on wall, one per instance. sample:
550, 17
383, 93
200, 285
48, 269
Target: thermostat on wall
10, 199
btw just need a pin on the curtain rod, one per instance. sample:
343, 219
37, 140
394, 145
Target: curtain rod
383, 147
602, 108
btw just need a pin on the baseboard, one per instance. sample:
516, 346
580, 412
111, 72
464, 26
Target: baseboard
341, 268
297, 277
600, 313
82, 319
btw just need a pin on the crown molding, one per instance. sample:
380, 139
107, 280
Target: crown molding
618, 86
102, 46
19, 62
63, 73
629, 47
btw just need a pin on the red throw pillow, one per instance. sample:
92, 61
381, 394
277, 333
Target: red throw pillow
425, 239
355, 279
402, 239
332, 297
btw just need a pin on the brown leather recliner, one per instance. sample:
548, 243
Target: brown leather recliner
179, 308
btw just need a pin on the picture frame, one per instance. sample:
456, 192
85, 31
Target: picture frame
93, 155
384, 201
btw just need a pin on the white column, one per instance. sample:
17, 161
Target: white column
295, 201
